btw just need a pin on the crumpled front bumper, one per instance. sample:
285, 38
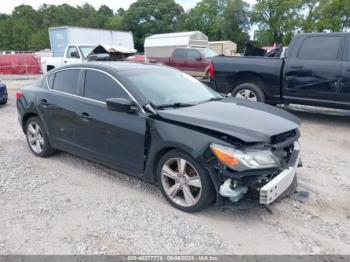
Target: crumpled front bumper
283, 181
282, 184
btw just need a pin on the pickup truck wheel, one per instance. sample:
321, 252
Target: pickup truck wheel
249, 91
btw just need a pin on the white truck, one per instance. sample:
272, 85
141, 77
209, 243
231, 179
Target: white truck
70, 45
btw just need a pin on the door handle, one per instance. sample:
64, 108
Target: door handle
85, 116
347, 69
44, 103
297, 66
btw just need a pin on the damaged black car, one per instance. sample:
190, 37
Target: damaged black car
166, 128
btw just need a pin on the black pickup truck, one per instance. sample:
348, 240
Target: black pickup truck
315, 71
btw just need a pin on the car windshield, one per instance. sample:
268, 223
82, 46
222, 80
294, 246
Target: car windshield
208, 53
86, 50
168, 87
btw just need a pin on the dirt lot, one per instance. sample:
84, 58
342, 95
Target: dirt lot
65, 205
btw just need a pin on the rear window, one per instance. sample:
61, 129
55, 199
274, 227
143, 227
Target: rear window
66, 81
208, 53
320, 48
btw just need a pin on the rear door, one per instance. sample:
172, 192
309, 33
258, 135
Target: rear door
116, 138
344, 89
58, 106
178, 59
312, 74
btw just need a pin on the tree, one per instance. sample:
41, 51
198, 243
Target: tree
147, 17
236, 23
333, 15
207, 17
114, 23
220, 20
278, 19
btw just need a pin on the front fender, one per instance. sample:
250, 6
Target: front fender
165, 136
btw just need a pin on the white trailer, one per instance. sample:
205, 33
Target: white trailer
74, 44
162, 45
227, 48
61, 37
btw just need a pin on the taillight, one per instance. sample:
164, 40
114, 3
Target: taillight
19, 95
211, 70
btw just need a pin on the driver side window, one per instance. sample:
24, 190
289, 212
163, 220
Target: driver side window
193, 55
72, 52
100, 86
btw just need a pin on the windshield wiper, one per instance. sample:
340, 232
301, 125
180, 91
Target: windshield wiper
211, 99
215, 98
175, 105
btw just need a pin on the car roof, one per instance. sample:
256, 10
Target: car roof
115, 66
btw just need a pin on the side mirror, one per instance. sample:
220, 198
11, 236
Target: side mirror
121, 105
198, 58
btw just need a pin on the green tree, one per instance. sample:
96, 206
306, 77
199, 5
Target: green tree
220, 20
236, 23
278, 19
333, 15
147, 17
207, 17
114, 23
5, 33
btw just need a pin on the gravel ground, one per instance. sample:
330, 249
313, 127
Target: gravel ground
67, 205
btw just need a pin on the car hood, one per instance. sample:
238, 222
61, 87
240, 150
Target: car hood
243, 119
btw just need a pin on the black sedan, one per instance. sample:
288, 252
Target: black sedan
164, 127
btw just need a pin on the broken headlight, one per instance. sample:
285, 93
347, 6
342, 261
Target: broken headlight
241, 160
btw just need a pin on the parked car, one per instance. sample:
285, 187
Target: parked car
3, 93
193, 61
315, 71
164, 127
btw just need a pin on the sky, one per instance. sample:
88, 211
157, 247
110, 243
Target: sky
7, 6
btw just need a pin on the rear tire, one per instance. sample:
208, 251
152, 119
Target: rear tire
37, 138
249, 91
184, 183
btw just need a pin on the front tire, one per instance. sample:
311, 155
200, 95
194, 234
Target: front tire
37, 138
249, 91
184, 183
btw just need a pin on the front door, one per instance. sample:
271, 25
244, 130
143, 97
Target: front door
313, 72
195, 64
178, 59
72, 56
116, 138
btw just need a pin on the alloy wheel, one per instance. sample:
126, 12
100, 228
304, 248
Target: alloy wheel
247, 94
181, 182
35, 137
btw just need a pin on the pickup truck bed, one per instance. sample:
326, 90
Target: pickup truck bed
267, 71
